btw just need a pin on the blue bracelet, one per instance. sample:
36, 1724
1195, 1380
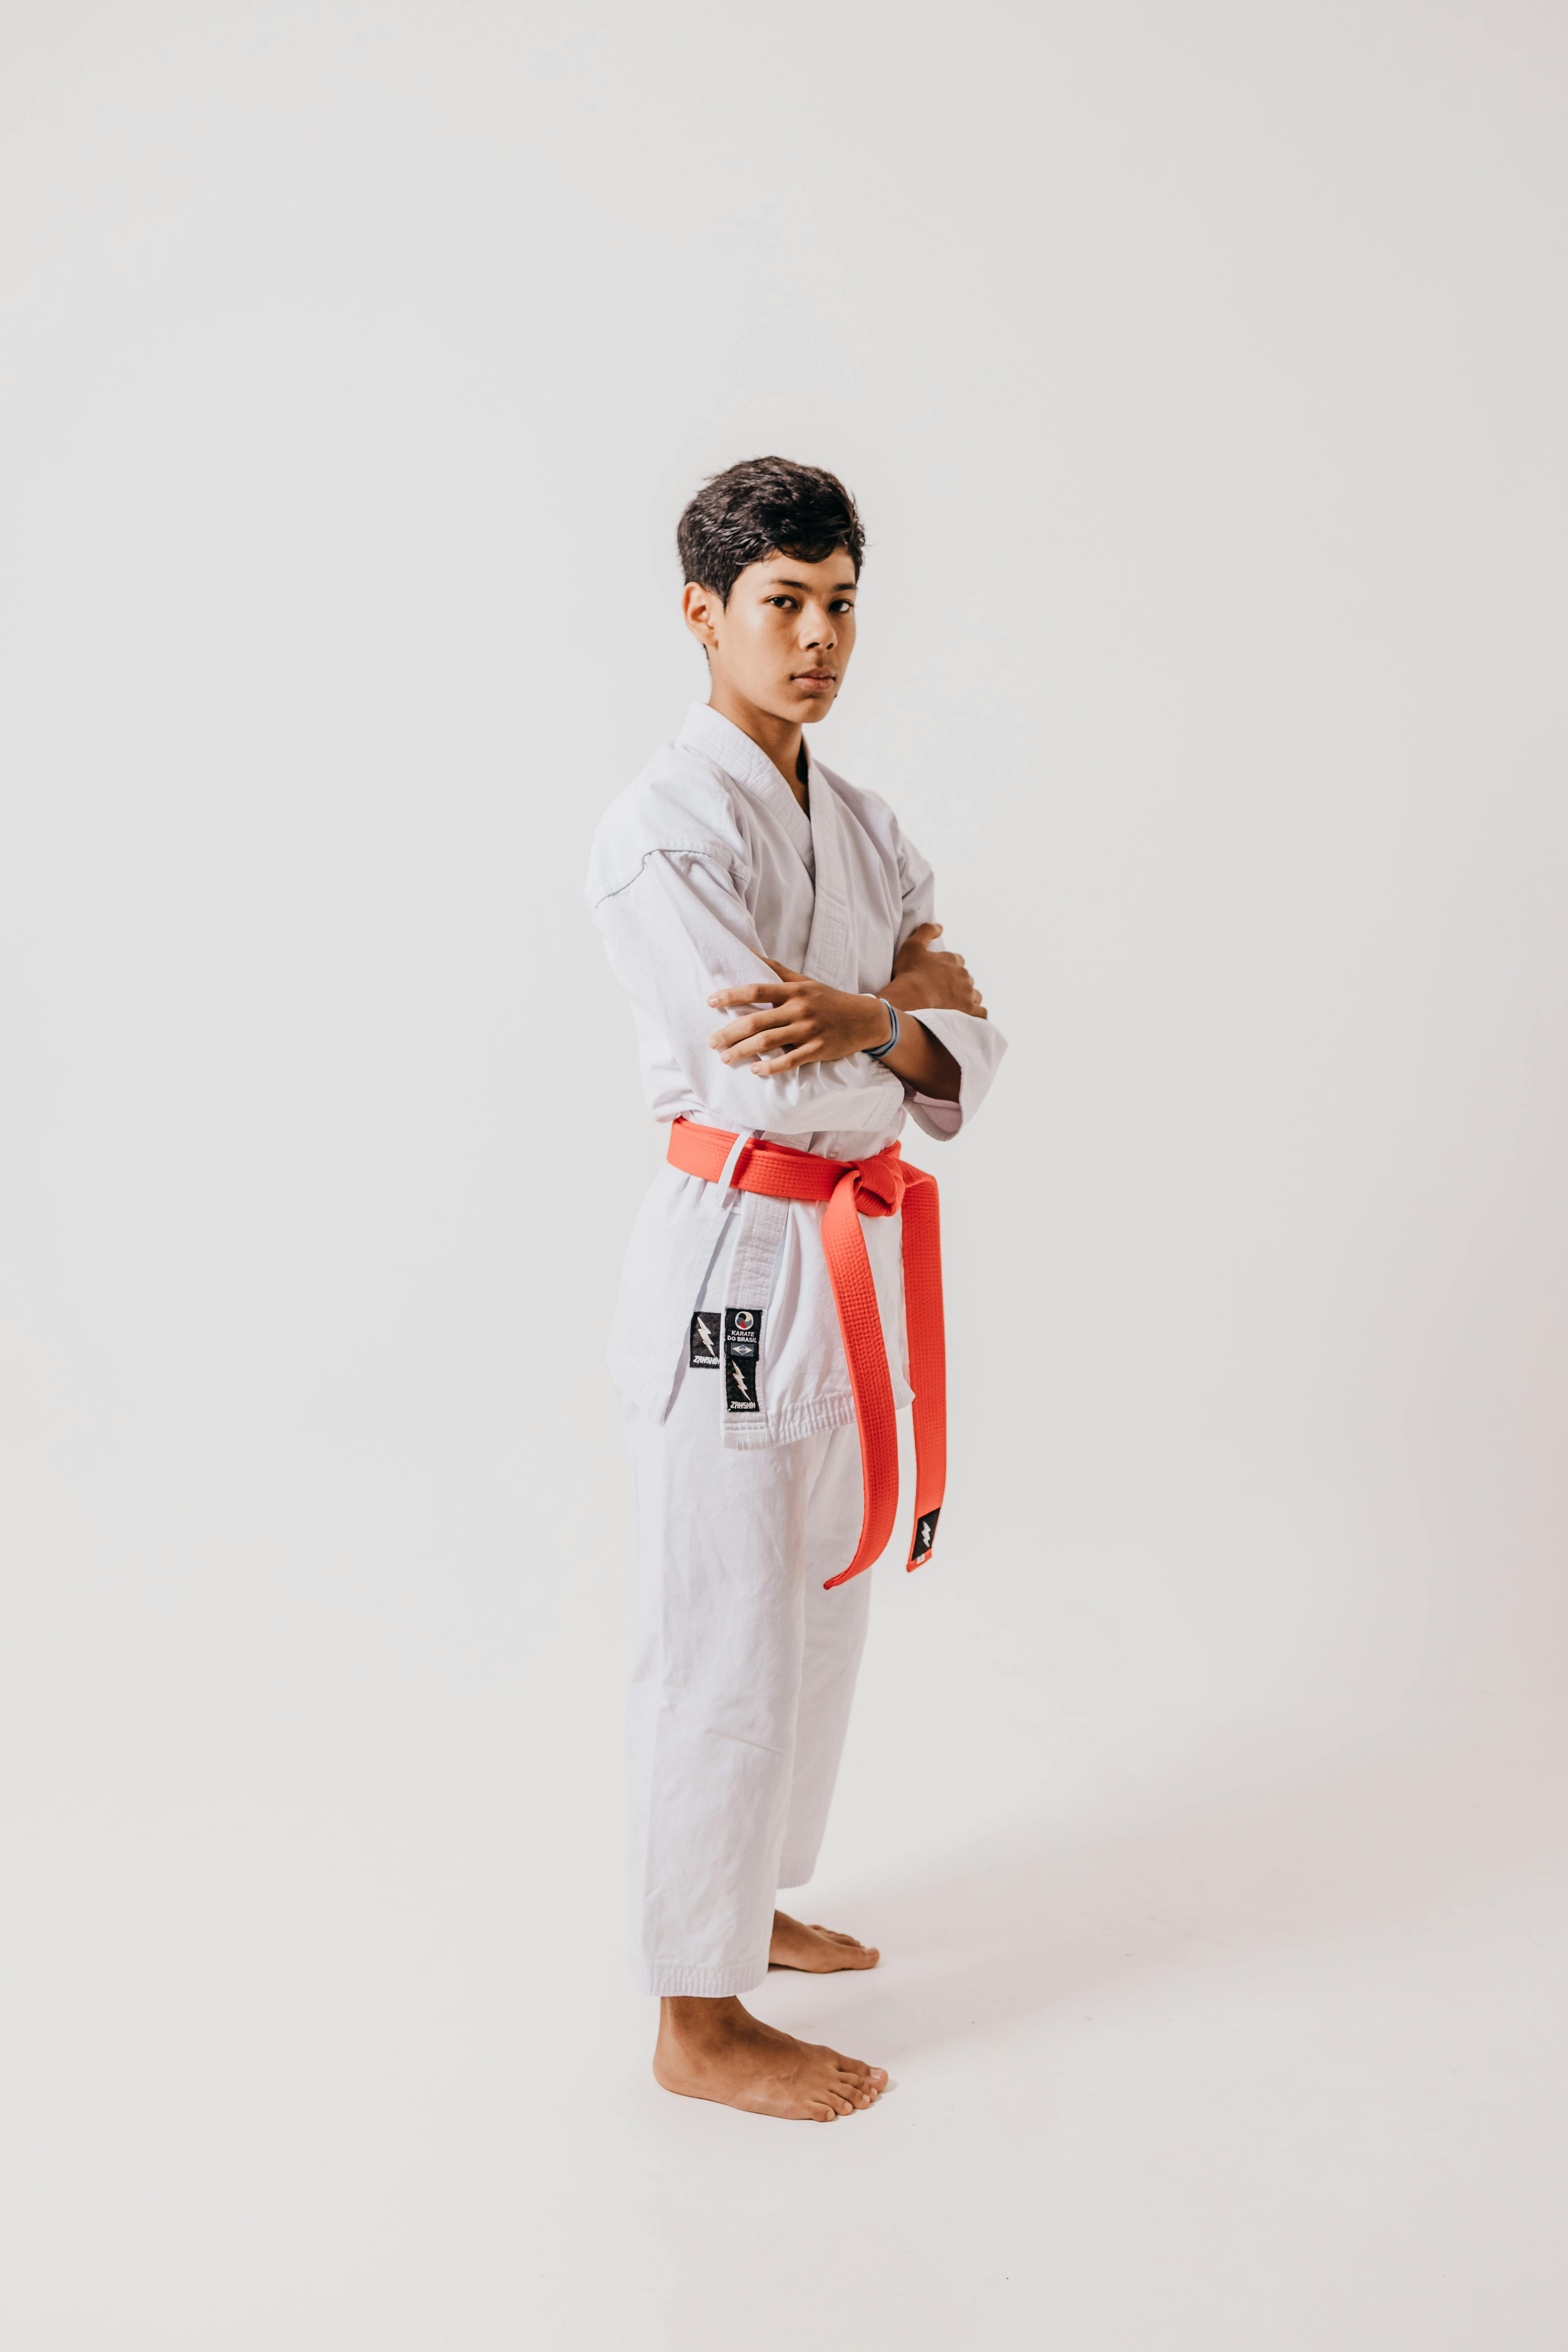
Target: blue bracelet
880, 1053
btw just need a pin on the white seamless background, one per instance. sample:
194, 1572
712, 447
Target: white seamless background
1202, 374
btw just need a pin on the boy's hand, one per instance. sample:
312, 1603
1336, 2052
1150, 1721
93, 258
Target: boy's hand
796, 1020
928, 979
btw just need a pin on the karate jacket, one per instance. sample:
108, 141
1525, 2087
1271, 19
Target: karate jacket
702, 869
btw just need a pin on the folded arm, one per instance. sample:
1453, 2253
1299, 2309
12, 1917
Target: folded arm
674, 930
796, 1020
936, 987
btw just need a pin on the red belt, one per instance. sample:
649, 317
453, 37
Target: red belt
880, 1186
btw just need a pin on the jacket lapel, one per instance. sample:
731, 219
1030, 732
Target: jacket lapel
827, 953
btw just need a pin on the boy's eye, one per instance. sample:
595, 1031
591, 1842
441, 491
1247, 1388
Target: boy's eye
784, 603
841, 604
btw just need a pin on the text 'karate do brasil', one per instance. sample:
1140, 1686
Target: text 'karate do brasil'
780, 1302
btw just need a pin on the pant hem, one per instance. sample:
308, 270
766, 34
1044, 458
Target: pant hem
700, 1984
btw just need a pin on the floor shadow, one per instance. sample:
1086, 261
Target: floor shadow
1032, 1919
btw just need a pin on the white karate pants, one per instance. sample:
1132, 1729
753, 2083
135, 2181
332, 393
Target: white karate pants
745, 1673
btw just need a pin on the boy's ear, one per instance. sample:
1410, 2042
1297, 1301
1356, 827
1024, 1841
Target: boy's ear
701, 608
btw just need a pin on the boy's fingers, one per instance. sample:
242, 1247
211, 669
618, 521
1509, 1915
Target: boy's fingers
923, 934
766, 991
783, 970
773, 1017
778, 1062
766, 1041
744, 1047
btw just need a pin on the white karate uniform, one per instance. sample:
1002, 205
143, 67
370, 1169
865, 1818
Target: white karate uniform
748, 1493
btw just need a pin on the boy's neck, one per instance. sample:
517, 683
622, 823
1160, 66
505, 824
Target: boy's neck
783, 739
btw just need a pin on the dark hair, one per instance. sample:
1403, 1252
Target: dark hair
762, 507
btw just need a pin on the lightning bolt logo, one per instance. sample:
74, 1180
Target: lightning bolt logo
706, 1336
743, 1329
925, 1534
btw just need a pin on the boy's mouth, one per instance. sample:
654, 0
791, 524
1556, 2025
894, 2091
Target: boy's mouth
816, 681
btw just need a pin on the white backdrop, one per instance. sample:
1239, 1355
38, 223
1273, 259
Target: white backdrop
1201, 373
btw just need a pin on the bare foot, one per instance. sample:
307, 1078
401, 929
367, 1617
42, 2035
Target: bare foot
819, 1949
717, 2049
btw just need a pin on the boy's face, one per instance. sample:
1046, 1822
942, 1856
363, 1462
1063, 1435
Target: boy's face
783, 640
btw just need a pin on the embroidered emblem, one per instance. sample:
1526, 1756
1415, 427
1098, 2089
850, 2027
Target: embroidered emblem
742, 1338
925, 1537
705, 1340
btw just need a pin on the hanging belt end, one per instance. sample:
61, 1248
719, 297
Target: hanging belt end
924, 1542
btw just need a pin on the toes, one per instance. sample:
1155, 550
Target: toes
860, 2088
866, 1955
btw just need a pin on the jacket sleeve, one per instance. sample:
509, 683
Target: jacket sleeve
977, 1046
678, 931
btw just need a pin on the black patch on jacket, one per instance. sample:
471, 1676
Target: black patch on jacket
705, 1340
743, 1342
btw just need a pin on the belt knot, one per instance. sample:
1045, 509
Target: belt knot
879, 1183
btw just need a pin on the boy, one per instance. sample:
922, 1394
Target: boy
758, 1337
